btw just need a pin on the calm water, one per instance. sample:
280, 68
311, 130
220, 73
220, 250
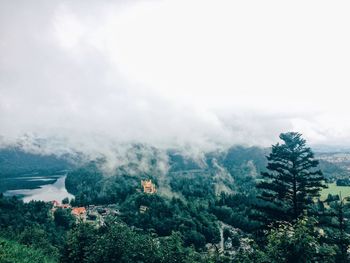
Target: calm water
53, 190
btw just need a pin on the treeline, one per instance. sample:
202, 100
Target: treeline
30, 224
192, 207
16, 162
116, 242
164, 215
300, 227
13, 252
31, 233
267, 210
282, 201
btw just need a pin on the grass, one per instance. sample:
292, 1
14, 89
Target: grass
335, 190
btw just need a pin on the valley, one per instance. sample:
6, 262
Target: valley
207, 202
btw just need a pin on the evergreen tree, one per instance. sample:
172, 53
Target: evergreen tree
79, 242
337, 226
342, 217
291, 181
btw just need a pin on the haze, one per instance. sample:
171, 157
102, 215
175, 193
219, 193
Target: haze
174, 73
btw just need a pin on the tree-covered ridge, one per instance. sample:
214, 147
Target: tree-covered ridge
14, 161
288, 183
228, 206
189, 193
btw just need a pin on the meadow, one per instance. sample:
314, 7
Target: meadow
334, 190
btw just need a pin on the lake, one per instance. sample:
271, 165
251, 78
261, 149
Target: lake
48, 189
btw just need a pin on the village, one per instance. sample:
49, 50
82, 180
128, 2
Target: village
96, 214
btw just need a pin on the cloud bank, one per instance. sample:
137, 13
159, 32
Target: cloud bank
198, 74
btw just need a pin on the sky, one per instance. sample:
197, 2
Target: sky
174, 73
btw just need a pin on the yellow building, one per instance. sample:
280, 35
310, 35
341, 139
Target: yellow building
148, 187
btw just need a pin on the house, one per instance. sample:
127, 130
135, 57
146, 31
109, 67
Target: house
148, 187
79, 212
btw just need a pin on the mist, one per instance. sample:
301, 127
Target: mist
97, 77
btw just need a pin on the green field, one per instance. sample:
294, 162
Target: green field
334, 189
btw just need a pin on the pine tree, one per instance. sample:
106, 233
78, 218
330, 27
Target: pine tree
337, 226
291, 181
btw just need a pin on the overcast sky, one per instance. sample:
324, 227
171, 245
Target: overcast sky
175, 72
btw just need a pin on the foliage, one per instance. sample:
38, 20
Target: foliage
291, 182
297, 244
118, 243
64, 218
13, 252
235, 210
197, 226
181, 223
17, 162
193, 185
335, 218
30, 224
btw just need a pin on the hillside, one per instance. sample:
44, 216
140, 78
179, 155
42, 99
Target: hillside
204, 203
14, 161
13, 252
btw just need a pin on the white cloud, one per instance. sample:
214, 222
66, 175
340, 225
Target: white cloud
175, 72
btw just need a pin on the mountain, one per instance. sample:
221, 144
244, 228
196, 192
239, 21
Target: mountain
15, 161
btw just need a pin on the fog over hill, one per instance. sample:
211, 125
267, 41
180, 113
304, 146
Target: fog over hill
174, 131
95, 76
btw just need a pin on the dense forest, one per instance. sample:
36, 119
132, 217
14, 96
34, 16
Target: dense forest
16, 162
239, 205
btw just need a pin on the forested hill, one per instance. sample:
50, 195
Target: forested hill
209, 207
215, 186
174, 172
192, 192
16, 162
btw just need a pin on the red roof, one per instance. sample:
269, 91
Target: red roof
78, 211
